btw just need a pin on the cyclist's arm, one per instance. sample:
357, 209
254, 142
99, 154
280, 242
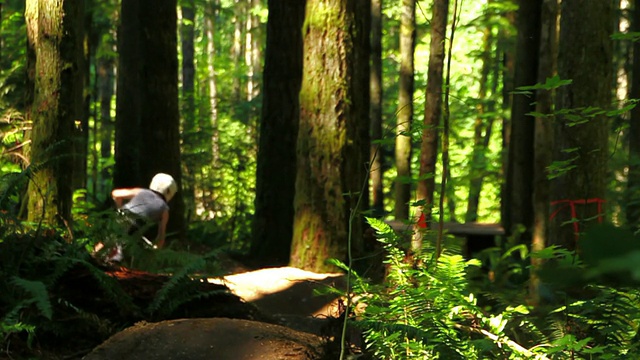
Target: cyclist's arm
119, 195
162, 228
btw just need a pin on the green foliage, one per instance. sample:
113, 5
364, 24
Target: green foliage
13, 59
427, 310
182, 288
442, 310
52, 289
37, 293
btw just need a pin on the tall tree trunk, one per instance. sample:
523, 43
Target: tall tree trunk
543, 144
506, 45
147, 127
237, 48
633, 184
213, 89
190, 141
519, 186
57, 104
252, 61
333, 138
585, 28
31, 22
376, 90
276, 170
81, 129
129, 107
405, 110
432, 116
106, 81
1, 40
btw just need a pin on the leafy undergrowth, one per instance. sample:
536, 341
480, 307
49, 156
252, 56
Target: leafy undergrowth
452, 308
57, 300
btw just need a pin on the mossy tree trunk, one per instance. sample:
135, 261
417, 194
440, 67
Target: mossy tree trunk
276, 170
57, 103
333, 140
147, 124
585, 28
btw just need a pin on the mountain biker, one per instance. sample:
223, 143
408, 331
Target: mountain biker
141, 208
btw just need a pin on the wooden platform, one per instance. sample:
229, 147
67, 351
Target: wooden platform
457, 229
475, 236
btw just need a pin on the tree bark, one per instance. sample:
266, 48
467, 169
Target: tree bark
57, 103
333, 140
213, 88
543, 142
432, 115
519, 186
506, 44
237, 48
633, 184
585, 28
127, 172
87, 53
276, 169
252, 61
147, 126
190, 141
106, 91
376, 89
405, 110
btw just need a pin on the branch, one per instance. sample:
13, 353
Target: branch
502, 340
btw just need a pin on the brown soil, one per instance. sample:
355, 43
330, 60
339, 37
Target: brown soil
291, 322
205, 339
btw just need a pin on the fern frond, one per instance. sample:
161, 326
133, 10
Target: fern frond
39, 295
412, 332
175, 285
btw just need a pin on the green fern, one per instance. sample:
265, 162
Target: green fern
176, 291
429, 311
38, 295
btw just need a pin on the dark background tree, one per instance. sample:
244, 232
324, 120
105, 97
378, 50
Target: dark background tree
276, 171
188, 109
543, 141
147, 124
518, 207
633, 200
581, 132
376, 88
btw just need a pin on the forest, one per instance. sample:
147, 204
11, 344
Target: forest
470, 168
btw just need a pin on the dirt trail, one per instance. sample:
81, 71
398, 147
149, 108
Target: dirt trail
286, 294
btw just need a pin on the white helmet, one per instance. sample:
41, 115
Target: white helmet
165, 185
